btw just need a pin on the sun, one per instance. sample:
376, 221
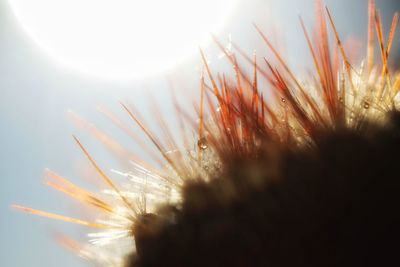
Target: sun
121, 39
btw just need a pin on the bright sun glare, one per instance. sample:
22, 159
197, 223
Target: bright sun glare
121, 39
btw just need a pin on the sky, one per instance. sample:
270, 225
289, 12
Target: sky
37, 93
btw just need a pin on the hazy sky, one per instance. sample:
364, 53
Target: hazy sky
36, 92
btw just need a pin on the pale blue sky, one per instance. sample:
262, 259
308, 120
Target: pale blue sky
36, 92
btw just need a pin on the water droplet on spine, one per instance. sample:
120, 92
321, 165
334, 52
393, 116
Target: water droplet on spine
202, 143
366, 105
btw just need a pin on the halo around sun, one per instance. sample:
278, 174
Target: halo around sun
121, 39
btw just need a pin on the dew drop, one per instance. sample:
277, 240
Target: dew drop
283, 100
366, 105
202, 143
